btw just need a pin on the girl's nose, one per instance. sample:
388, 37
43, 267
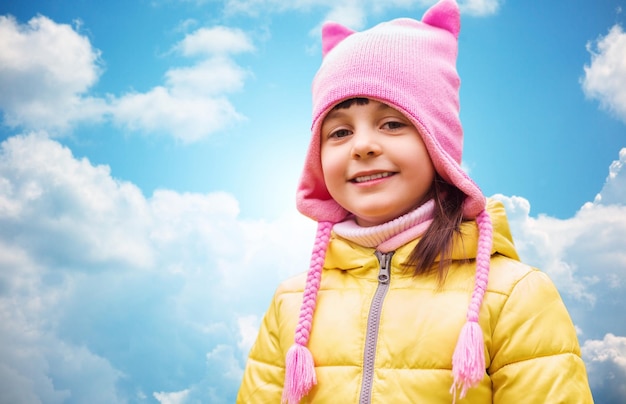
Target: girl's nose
365, 144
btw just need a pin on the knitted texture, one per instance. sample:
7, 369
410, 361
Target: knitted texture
391, 235
409, 65
299, 366
468, 361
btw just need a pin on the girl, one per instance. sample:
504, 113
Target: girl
415, 292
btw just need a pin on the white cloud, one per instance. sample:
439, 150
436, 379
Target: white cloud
611, 348
215, 40
248, 330
586, 258
222, 357
46, 71
188, 118
192, 104
614, 189
540, 242
605, 77
208, 78
35, 364
231, 372
584, 255
39, 176
178, 397
606, 366
167, 289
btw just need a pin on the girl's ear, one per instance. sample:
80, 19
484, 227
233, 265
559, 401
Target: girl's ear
332, 34
446, 15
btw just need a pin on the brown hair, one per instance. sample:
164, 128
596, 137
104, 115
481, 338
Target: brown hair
437, 241
350, 101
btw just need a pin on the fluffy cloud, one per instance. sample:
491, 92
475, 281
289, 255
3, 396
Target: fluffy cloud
606, 365
103, 289
585, 257
584, 254
47, 70
177, 397
215, 40
192, 104
162, 111
55, 218
605, 77
614, 190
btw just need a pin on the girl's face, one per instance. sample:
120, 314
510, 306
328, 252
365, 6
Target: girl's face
375, 163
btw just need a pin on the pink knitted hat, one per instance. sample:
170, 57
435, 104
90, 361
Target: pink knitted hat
411, 66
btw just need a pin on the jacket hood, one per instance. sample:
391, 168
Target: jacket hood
466, 244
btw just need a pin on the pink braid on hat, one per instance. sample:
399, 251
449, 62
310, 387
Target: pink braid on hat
299, 367
468, 360
409, 65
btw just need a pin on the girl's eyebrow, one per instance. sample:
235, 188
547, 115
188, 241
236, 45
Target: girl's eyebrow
335, 113
384, 107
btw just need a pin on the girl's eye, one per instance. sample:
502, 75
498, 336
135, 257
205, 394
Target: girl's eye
393, 125
339, 133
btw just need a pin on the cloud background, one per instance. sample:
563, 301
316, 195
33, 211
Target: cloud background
147, 182
100, 284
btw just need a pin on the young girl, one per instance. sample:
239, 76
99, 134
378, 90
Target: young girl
415, 292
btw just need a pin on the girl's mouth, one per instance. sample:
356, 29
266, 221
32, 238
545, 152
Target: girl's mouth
365, 178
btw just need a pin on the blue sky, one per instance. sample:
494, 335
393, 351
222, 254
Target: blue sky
151, 149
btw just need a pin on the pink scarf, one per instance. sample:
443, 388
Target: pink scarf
391, 235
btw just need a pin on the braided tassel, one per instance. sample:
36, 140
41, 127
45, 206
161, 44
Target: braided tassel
299, 366
468, 361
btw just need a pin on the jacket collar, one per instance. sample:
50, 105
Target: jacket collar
346, 255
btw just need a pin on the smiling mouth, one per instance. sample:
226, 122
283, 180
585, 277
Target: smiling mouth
365, 178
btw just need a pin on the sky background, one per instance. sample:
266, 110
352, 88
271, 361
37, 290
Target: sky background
151, 149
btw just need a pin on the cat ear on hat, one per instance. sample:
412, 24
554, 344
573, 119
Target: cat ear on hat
332, 34
445, 15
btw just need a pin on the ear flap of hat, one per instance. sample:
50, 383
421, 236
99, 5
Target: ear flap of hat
332, 34
445, 15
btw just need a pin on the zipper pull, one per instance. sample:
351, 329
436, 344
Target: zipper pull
385, 264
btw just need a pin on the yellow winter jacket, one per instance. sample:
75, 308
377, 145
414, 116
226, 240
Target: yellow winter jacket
531, 349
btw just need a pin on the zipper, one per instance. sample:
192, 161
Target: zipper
373, 323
